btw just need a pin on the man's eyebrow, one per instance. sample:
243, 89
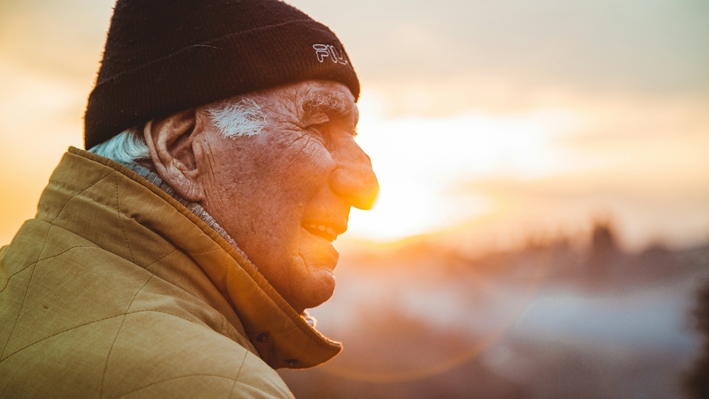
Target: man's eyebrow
330, 102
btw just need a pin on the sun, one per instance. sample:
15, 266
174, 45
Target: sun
420, 161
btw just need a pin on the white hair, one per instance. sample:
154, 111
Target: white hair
126, 147
243, 117
234, 117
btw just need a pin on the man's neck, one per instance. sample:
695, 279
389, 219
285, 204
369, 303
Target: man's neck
195, 208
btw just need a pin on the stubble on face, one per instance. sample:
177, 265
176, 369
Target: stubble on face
273, 192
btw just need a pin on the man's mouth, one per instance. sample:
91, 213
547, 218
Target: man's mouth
321, 230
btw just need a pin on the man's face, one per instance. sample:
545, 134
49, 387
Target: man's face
285, 194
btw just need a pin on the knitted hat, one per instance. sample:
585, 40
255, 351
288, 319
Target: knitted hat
164, 56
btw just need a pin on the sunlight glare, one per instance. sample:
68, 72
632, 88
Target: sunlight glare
419, 162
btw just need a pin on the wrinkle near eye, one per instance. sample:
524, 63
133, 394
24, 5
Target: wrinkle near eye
315, 119
305, 142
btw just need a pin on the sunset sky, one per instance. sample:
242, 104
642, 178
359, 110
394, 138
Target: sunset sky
498, 118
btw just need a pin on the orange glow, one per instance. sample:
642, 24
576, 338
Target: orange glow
499, 131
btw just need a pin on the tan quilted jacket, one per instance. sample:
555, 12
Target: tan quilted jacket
115, 290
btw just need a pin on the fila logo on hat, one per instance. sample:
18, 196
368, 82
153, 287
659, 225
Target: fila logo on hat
323, 51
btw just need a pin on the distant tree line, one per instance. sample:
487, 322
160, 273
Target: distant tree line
697, 379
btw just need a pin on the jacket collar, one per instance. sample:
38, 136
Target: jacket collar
282, 337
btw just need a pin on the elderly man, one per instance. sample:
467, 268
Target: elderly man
176, 258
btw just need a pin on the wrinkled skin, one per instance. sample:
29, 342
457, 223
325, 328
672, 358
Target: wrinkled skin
276, 192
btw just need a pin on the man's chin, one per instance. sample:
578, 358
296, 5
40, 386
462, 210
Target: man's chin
318, 289
314, 268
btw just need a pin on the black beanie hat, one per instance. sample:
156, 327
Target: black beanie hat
164, 56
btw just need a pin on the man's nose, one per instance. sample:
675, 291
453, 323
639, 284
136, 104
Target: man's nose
353, 178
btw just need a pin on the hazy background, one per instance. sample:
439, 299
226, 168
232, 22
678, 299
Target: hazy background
502, 132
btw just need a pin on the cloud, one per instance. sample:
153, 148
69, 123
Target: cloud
655, 47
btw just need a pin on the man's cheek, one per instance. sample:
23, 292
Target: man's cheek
314, 160
307, 146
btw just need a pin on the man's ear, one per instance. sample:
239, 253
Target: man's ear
170, 141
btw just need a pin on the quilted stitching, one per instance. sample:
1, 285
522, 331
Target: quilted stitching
33, 265
140, 294
89, 323
120, 219
79, 193
118, 331
171, 379
30, 264
236, 376
24, 296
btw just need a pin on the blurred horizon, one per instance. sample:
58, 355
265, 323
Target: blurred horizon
546, 320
